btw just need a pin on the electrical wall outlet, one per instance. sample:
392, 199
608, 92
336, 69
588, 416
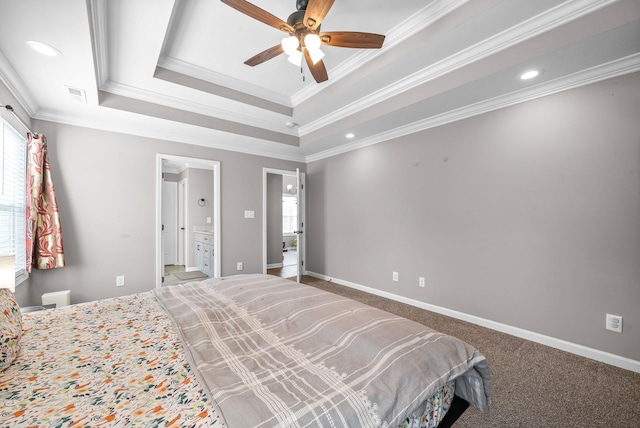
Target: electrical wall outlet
120, 281
421, 282
614, 323
395, 276
240, 266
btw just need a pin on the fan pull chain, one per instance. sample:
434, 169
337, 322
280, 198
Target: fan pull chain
302, 72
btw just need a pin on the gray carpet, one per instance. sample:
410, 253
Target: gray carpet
532, 385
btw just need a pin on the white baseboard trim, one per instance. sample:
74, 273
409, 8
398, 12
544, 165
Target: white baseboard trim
274, 265
191, 268
574, 348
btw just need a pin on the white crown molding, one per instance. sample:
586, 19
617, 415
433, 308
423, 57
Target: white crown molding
431, 13
553, 342
221, 140
612, 69
207, 75
552, 18
542, 23
16, 87
98, 16
629, 64
425, 17
197, 108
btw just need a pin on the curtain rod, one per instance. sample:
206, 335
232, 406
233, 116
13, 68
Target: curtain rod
22, 122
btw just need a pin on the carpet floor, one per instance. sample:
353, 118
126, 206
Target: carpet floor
532, 385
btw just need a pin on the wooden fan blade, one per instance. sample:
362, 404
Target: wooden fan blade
265, 55
261, 15
352, 39
315, 13
318, 70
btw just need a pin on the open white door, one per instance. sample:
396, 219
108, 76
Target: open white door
170, 221
182, 195
299, 194
300, 231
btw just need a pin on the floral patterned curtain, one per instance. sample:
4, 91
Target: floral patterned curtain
44, 234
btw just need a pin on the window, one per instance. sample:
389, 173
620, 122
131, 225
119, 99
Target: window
289, 213
13, 164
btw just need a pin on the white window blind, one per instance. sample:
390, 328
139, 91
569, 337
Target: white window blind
13, 161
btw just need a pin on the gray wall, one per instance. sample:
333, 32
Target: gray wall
528, 216
105, 186
274, 218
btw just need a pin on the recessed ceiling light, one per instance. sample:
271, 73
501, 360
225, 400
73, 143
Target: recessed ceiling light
530, 74
350, 135
43, 48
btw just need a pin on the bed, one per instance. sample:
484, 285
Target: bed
242, 351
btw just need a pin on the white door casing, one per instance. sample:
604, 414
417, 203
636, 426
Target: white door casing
301, 223
300, 195
182, 194
201, 163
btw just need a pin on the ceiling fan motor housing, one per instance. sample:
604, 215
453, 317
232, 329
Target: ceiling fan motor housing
296, 21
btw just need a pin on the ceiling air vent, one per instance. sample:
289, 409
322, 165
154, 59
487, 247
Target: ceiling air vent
78, 95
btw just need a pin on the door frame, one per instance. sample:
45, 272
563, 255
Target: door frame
215, 166
303, 250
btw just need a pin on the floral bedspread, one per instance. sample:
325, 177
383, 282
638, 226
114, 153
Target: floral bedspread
116, 362
435, 409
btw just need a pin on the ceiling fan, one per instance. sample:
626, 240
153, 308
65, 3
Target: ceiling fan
305, 38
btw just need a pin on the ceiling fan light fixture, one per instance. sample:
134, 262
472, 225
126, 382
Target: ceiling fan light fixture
312, 42
295, 58
290, 45
316, 55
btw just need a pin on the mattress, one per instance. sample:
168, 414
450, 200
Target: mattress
121, 362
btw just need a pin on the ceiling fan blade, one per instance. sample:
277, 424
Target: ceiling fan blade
352, 39
316, 11
261, 15
318, 70
265, 55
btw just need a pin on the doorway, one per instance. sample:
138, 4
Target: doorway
283, 223
187, 206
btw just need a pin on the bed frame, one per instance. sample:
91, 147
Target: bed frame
458, 406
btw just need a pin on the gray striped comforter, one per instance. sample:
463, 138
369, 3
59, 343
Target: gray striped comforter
274, 353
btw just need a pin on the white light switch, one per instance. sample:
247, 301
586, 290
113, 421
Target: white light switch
209, 220
249, 214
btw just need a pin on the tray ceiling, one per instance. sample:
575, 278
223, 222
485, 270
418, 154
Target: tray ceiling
173, 69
